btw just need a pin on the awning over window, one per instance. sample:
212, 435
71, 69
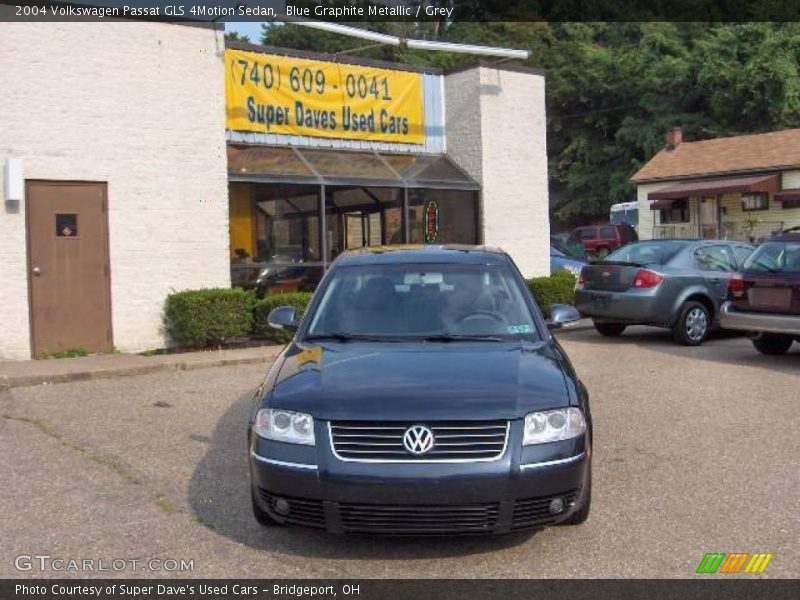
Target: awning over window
339, 167
763, 184
788, 196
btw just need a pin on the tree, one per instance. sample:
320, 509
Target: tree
235, 36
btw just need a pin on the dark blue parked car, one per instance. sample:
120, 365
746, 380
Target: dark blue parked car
423, 393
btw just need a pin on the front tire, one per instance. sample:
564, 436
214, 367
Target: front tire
693, 324
773, 344
609, 329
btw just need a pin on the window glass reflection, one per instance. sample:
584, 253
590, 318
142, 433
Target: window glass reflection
442, 216
275, 241
359, 217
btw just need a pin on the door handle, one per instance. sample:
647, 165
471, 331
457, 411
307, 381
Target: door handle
715, 280
37, 271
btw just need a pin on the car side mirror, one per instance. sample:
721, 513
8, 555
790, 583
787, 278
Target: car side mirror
562, 315
283, 317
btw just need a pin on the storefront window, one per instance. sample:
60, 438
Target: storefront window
280, 241
442, 216
275, 237
357, 217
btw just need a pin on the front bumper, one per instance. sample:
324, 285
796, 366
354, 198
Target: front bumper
730, 318
511, 493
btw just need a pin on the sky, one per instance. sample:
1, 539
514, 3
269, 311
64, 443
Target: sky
248, 28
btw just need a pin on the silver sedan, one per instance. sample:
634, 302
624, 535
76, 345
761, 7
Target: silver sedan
679, 284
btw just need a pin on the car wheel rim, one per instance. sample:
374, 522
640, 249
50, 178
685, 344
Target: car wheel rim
696, 324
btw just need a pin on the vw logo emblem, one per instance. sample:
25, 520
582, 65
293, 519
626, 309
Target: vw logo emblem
418, 439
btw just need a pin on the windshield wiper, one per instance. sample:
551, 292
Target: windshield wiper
341, 336
455, 337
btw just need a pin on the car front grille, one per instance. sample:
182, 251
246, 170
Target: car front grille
385, 519
370, 441
531, 512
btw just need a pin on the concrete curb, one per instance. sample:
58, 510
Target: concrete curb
8, 382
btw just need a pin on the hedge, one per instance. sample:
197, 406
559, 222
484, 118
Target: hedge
209, 316
264, 306
558, 288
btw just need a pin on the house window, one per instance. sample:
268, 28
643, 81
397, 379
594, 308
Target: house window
677, 213
755, 202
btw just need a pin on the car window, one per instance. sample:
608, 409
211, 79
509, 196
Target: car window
775, 257
647, 253
742, 253
714, 258
587, 234
608, 233
420, 300
556, 252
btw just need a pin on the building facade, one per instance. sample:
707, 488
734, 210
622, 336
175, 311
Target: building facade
740, 188
153, 159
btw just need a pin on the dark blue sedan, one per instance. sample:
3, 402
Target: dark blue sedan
423, 393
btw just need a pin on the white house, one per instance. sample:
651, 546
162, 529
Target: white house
743, 187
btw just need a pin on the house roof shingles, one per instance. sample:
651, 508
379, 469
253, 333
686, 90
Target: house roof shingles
740, 154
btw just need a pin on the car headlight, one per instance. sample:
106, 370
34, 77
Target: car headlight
553, 425
285, 426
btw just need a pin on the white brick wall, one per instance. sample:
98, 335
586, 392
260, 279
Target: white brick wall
496, 130
140, 106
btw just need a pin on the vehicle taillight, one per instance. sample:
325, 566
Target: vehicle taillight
646, 279
736, 287
581, 279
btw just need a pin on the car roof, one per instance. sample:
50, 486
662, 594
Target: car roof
691, 241
793, 236
450, 253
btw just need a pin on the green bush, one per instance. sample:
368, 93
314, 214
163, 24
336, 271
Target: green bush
210, 316
263, 307
558, 288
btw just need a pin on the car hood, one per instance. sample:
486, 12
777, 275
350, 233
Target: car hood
390, 381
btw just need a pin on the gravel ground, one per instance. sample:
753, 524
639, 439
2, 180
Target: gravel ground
696, 450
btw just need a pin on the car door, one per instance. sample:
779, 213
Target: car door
716, 264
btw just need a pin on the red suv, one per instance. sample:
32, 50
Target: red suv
599, 240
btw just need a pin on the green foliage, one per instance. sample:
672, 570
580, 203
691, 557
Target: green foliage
235, 36
209, 316
264, 306
615, 88
558, 288
65, 353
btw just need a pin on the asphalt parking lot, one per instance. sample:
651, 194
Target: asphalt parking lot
696, 450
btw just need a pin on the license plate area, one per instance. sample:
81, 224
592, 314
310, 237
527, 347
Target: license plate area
770, 298
600, 302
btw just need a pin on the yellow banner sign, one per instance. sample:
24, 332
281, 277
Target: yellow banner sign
279, 94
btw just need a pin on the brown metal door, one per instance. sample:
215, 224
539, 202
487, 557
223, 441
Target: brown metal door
68, 266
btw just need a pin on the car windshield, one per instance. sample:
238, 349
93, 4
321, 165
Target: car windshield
419, 301
775, 257
657, 252
564, 250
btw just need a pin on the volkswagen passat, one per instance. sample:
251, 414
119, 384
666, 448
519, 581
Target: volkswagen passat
423, 393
